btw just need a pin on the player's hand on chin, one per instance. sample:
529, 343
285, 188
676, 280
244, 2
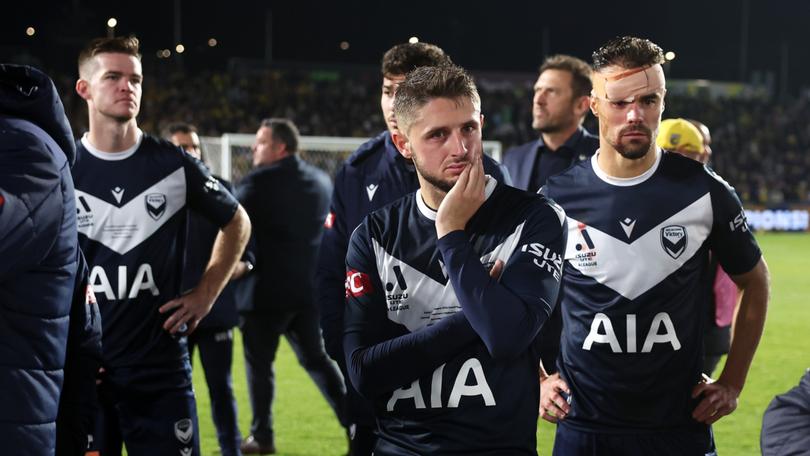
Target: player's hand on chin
463, 200
553, 405
718, 400
190, 309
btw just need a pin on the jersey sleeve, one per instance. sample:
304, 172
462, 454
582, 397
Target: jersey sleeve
497, 170
507, 314
31, 206
731, 240
331, 271
206, 195
376, 362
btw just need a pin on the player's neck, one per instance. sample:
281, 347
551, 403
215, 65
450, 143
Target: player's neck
431, 195
555, 140
109, 135
615, 165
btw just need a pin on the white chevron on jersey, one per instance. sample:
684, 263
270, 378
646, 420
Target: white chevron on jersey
420, 300
123, 228
645, 262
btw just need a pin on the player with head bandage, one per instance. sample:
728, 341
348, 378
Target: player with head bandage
641, 224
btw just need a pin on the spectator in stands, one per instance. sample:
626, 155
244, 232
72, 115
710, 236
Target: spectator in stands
287, 200
375, 175
214, 334
560, 104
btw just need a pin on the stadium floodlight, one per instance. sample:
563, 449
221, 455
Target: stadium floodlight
166, 53
413, 39
180, 48
212, 42
670, 56
344, 45
30, 31
112, 22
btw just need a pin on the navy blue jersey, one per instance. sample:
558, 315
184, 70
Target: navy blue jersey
445, 352
131, 217
374, 176
201, 235
632, 300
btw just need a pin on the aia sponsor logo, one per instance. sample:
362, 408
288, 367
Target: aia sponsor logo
330, 221
357, 284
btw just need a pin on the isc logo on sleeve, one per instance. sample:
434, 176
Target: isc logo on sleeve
357, 283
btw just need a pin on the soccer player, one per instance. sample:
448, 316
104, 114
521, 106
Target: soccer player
375, 175
444, 351
132, 196
214, 335
641, 223
560, 104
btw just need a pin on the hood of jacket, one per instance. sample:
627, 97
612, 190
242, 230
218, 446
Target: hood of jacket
29, 94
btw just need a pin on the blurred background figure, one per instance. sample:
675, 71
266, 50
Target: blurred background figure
287, 200
214, 335
693, 139
560, 103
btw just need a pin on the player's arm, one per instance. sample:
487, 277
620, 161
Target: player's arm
506, 314
330, 273
208, 197
740, 256
376, 362
30, 214
248, 259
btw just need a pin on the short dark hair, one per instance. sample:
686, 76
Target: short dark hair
283, 130
627, 52
406, 57
120, 44
579, 69
180, 127
427, 83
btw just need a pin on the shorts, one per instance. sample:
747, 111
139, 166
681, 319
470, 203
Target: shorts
574, 442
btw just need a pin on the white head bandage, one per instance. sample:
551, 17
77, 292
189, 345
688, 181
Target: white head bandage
627, 84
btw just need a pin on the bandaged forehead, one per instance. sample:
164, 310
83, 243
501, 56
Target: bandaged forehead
626, 85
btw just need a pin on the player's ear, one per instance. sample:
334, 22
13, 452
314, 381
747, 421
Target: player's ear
83, 88
582, 105
595, 106
402, 144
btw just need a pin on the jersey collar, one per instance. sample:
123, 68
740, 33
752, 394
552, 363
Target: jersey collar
430, 214
110, 156
625, 181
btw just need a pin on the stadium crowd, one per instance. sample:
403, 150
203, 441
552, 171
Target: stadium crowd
765, 165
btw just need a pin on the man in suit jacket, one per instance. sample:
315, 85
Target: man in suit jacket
288, 200
561, 101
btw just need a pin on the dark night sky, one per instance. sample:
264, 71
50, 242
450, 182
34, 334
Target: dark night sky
495, 35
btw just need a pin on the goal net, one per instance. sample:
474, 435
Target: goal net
230, 155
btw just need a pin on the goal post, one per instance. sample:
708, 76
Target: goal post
230, 155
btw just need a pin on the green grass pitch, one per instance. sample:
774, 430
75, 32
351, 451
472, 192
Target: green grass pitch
304, 424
